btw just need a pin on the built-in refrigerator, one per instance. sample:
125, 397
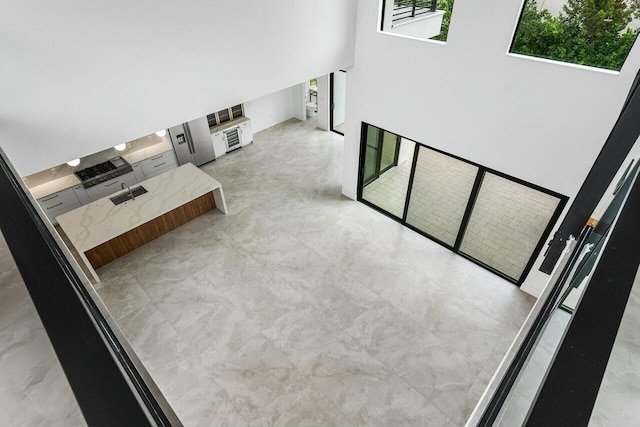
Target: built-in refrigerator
192, 142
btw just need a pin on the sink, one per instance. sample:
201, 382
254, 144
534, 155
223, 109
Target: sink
125, 197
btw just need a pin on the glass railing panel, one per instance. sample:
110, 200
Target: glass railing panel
525, 370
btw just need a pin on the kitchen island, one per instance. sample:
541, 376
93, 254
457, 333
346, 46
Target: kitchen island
102, 231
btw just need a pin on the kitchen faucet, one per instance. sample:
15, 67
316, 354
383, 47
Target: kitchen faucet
123, 185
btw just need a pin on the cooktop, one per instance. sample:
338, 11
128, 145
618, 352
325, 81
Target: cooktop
94, 175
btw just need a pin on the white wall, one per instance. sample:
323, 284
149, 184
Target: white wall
269, 110
299, 95
339, 94
323, 102
540, 121
78, 77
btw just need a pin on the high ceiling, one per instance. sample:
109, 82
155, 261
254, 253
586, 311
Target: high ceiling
81, 76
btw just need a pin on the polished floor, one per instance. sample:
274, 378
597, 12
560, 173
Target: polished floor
302, 307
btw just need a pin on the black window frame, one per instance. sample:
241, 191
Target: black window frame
482, 170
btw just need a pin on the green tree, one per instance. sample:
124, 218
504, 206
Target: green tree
588, 32
539, 33
447, 6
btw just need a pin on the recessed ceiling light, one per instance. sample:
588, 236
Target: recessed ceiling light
74, 162
161, 133
120, 147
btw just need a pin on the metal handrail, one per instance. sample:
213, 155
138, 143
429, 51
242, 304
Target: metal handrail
412, 8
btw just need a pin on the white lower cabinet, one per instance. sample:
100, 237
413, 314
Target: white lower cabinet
246, 134
228, 130
59, 203
81, 194
109, 187
74, 197
137, 171
159, 164
219, 146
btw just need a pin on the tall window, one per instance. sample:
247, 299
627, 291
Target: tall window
493, 219
597, 33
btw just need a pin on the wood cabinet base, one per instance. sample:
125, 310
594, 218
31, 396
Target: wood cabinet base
133, 239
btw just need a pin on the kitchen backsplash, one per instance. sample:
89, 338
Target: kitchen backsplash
59, 171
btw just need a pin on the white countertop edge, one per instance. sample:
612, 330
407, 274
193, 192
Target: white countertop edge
72, 220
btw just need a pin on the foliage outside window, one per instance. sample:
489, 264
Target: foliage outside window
597, 33
447, 6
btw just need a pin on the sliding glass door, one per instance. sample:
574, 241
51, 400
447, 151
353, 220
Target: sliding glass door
440, 194
493, 219
385, 179
372, 157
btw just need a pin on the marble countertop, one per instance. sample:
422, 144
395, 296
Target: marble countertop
145, 153
54, 186
93, 224
228, 125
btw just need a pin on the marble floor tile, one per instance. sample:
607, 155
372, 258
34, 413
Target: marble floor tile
236, 268
394, 403
267, 300
472, 332
220, 334
501, 349
330, 290
19, 410
302, 333
385, 332
504, 303
419, 297
146, 329
254, 376
299, 307
473, 396
440, 373
204, 405
123, 297
186, 301
25, 354
279, 248
15, 303
52, 398
161, 269
300, 404
346, 374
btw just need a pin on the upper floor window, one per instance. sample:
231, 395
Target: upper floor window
597, 33
425, 19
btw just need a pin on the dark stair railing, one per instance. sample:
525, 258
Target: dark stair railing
109, 387
406, 9
570, 387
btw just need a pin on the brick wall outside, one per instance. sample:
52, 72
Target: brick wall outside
440, 193
507, 221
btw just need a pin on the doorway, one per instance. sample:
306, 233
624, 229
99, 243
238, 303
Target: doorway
338, 94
